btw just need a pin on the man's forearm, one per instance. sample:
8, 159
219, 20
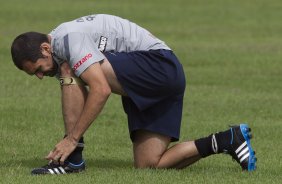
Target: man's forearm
73, 99
95, 102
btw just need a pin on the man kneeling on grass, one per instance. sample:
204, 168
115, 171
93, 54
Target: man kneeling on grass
113, 55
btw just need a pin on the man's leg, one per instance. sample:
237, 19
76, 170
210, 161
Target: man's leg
151, 150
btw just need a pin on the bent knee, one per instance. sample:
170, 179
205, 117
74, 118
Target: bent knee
146, 163
149, 148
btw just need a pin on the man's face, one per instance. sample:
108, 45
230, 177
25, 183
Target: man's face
43, 66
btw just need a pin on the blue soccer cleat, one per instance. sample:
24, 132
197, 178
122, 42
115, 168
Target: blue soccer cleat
53, 168
240, 147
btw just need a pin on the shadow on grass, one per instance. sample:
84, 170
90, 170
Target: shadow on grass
28, 163
104, 163
117, 163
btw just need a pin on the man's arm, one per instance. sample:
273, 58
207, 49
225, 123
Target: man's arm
73, 99
99, 91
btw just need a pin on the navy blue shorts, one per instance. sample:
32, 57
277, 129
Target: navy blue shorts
154, 82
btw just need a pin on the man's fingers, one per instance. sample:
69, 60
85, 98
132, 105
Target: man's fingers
48, 157
62, 159
61, 151
54, 155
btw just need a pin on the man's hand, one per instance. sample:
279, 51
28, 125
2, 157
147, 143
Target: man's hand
62, 150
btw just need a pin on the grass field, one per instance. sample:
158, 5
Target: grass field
231, 53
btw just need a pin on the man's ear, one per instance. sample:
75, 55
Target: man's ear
45, 49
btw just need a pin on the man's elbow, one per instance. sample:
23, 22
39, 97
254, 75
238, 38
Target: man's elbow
103, 91
106, 91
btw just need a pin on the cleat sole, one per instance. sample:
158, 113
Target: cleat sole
247, 136
250, 135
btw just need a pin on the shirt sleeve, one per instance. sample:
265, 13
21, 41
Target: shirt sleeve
81, 51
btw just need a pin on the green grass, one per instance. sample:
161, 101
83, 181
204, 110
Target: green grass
231, 52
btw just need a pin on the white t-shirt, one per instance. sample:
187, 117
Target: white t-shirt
82, 41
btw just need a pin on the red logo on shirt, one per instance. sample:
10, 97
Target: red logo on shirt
83, 60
